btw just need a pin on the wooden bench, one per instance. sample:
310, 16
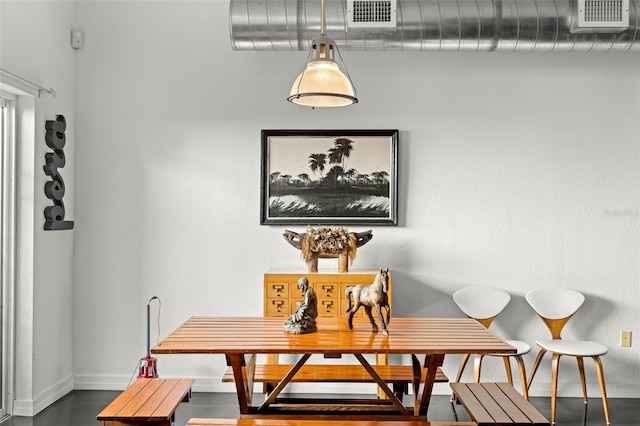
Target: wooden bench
323, 422
400, 376
147, 400
491, 404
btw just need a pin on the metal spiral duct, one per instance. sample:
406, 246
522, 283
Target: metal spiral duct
429, 25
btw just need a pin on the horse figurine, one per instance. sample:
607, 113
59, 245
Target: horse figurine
369, 296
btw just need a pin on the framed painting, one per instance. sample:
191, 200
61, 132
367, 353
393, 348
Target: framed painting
329, 177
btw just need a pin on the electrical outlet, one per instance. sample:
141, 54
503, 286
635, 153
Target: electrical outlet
625, 339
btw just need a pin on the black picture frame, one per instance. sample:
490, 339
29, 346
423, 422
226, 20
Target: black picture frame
329, 177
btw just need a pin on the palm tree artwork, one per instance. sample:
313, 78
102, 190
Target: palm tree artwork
344, 178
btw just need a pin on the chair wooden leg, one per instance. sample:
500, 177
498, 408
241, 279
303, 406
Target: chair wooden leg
583, 380
463, 364
523, 376
536, 364
507, 368
603, 389
477, 367
555, 364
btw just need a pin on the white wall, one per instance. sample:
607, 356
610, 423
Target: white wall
516, 171
34, 44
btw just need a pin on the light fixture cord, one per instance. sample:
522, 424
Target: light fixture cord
323, 30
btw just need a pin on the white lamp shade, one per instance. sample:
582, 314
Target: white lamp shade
322, 84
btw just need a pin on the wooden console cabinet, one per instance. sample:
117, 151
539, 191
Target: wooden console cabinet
281, 292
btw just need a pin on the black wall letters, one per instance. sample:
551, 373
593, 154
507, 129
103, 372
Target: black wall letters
54, 189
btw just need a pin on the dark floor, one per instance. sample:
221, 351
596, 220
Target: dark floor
79, 408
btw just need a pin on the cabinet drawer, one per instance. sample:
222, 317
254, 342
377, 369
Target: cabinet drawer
328, 308
278, 290
327, 290
276, 308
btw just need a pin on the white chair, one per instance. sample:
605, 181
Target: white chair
556, 306
484, 304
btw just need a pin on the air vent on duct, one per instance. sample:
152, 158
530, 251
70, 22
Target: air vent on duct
601, 16
371, 14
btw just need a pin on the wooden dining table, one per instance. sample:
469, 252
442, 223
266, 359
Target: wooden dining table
240, 339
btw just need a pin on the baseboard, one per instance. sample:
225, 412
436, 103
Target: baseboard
29, 408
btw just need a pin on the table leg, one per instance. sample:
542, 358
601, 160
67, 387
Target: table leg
421, 400
381, 383
284, 382
417, 377
243, 377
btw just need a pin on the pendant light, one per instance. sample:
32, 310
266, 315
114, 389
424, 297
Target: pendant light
322, 84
